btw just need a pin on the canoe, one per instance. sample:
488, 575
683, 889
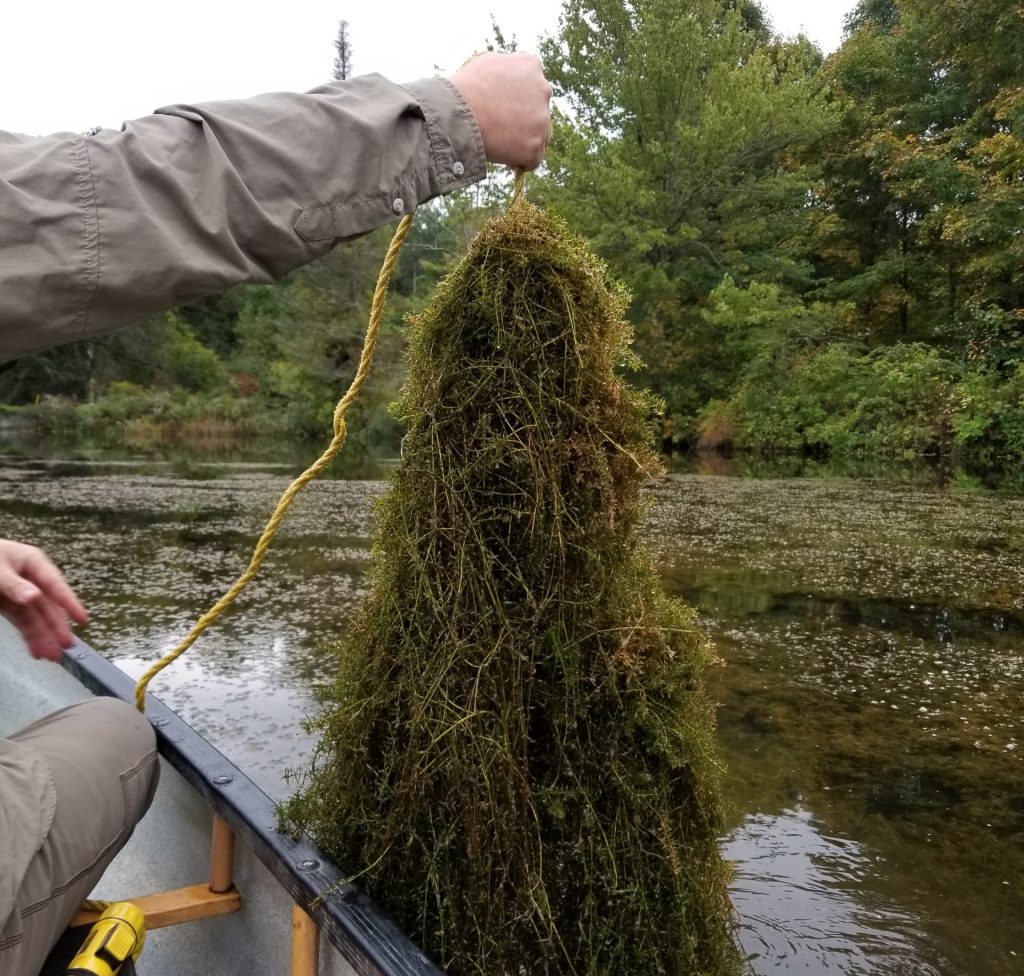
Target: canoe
286, 885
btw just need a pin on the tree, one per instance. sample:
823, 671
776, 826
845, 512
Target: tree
681, 115
922, 177
982, 43
343, 57
915, 194
886, 177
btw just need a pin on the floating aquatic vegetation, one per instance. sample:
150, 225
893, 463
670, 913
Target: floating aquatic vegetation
517, 756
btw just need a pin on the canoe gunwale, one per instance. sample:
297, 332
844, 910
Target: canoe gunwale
361, 932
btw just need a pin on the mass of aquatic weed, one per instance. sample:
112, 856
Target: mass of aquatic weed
517, 754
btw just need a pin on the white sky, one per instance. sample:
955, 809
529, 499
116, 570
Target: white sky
72, 65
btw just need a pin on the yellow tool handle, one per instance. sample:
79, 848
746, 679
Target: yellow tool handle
118, 934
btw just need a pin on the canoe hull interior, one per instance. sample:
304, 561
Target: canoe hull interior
171, 849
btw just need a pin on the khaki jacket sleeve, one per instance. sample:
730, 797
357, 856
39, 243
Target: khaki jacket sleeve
99, 230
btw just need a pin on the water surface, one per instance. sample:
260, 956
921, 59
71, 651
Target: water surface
870, 628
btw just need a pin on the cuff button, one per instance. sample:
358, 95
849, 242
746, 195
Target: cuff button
398, 206
458, 169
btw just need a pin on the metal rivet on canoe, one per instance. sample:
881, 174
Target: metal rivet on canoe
223, 779
308, 865
159, 723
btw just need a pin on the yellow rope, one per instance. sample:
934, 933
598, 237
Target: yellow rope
517, 186
340, 432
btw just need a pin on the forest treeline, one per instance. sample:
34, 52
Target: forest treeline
825, 254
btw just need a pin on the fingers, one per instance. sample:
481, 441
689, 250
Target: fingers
49, 580
36, 598
44, 640
13, 586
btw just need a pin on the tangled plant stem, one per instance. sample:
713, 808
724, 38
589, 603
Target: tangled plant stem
516, 749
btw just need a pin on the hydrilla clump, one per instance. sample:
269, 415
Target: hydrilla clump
517, 753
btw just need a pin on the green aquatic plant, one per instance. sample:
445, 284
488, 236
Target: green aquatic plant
516, 752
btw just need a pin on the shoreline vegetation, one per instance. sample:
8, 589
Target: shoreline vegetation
882, 428
192, 440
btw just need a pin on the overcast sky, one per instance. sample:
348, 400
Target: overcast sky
72, 65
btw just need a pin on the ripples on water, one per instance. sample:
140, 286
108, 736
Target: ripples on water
803, 903
870, 718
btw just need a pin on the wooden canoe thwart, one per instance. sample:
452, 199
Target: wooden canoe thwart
175, 907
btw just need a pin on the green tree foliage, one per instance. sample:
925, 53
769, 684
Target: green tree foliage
766, 207
300, 343
63, 372
880, 175
776, 336
916, 191
679, 117
983, 43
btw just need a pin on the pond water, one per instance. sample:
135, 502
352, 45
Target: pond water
871, 632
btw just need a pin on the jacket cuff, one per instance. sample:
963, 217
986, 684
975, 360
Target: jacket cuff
456, 146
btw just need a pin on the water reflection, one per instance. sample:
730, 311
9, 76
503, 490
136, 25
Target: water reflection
926, 473
800, 895
873, 640
870, 715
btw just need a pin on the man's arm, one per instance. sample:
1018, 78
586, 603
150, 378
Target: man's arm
99, 230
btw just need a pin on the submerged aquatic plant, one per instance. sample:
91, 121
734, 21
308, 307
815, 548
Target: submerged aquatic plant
516, 753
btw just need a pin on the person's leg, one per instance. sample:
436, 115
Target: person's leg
102, 756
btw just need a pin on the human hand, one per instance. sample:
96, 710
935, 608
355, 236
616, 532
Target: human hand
509, 98
37, 600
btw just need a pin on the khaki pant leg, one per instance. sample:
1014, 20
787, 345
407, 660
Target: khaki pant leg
102, 756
